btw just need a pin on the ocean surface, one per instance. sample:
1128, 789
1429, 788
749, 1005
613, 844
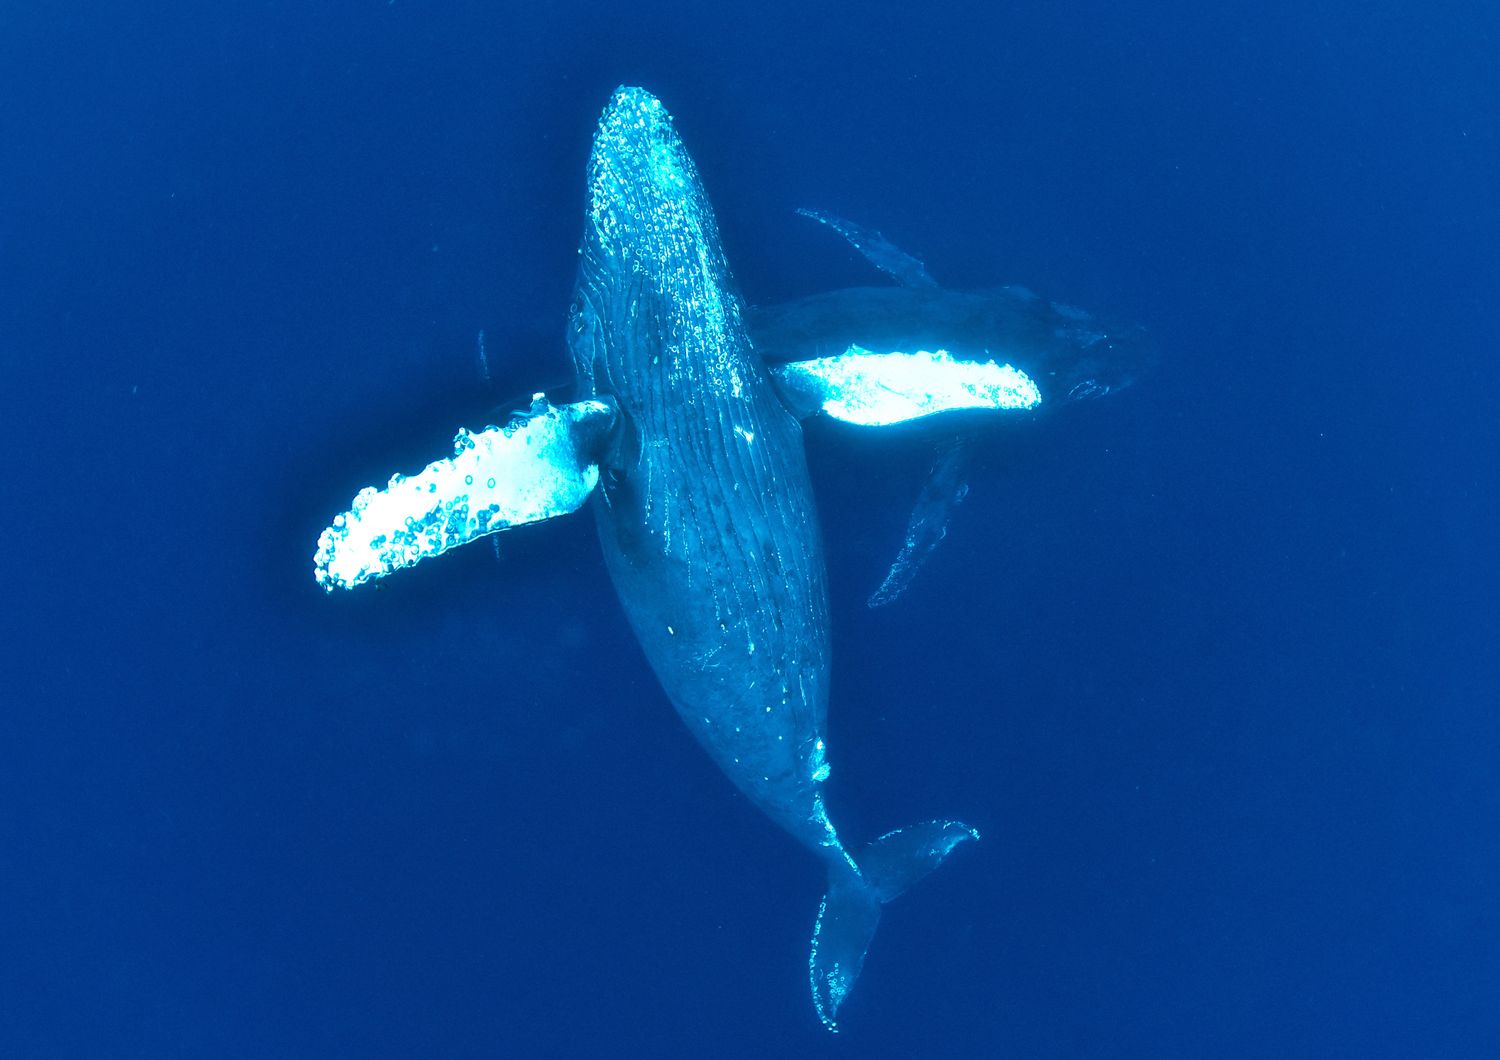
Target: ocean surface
1213, 664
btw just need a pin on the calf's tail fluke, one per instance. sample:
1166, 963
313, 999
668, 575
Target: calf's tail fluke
851, 909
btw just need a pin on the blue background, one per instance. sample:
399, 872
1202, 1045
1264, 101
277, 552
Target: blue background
1212, 664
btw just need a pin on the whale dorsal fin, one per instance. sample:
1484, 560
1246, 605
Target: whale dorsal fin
542, 463
879, 251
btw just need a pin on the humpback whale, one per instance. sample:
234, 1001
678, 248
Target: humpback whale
687, 444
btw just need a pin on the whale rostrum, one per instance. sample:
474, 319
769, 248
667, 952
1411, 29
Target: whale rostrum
687, 443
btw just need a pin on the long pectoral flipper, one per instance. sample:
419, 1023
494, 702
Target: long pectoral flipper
542, 463
880, 389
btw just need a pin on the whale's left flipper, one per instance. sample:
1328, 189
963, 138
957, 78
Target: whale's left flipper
851, 909
542, 463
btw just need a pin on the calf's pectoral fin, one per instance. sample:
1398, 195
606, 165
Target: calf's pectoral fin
542, 463
873, 389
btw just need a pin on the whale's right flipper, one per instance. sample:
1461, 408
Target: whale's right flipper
542, 463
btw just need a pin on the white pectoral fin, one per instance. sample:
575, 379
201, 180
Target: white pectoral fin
879, 389
541, 464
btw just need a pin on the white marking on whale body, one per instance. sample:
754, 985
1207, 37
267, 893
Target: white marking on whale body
820, 768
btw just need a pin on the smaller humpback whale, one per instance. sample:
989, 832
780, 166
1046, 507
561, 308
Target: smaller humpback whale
687, 443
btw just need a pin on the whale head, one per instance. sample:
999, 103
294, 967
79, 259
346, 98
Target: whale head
1108, 359
655, 309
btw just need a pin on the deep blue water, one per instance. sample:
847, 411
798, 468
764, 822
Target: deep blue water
1212, 664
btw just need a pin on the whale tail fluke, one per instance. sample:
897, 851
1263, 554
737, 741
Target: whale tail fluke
851, 909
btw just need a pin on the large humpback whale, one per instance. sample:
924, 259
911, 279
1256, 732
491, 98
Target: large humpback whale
688, 445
